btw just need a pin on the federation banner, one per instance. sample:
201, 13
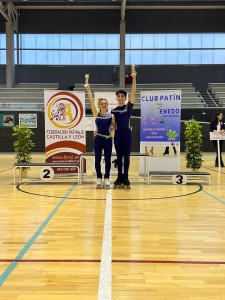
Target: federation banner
65, 136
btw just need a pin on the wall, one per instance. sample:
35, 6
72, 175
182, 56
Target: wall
67, 76
202, 115
108, 21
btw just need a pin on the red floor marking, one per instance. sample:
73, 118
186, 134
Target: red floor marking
114, 261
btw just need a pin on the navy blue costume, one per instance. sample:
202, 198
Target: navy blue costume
103, 141
123, 138
213, 126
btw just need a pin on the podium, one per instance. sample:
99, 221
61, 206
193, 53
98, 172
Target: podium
215, 136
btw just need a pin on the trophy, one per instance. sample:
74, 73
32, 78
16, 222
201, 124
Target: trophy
86, 79
133, 71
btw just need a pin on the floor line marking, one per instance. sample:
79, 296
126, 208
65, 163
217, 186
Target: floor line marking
130, 261
187, 262
214, 197
20, 255
105, 277
5, 170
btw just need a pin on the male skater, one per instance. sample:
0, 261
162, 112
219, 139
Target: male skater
123, 136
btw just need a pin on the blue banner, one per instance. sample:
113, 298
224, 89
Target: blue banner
160, 116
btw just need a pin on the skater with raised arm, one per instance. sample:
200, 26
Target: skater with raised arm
123, 135
104, 121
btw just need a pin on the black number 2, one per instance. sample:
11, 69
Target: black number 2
180, 179
46, 175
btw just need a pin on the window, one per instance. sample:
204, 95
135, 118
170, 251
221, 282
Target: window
2, 49
104, 49
69, 49
175, 49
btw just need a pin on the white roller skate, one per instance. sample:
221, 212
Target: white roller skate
107, 183
99, 183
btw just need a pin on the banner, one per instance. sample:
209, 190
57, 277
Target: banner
29, 120
216, 136
160, 128
7, 120
65, 136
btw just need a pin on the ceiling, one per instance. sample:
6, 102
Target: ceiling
132, 4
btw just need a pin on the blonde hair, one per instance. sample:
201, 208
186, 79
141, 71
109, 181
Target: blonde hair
99, 100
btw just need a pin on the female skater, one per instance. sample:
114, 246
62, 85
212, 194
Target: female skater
104, 121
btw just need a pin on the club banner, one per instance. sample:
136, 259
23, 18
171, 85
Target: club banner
160, 128
65, 136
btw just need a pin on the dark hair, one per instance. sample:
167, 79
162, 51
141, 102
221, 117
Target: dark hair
121, 92
216, 115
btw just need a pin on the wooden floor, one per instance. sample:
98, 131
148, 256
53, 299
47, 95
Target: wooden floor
64, 241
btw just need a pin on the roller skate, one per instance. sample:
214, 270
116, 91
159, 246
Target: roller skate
126, 183
107, 183
118, 184
99, 183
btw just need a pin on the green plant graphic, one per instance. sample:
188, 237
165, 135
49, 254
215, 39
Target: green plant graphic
171, 134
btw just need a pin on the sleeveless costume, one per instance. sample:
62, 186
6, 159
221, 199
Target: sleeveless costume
103, 141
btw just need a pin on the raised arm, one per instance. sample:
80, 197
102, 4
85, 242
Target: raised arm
133, 90
93, 107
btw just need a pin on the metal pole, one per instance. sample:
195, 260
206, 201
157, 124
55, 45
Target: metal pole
122, 53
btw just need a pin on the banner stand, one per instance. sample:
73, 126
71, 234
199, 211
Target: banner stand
160, 129
218, 137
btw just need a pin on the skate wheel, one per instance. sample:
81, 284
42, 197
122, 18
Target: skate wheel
117, 186
127, 187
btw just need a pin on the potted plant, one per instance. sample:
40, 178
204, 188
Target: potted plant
193, 143
23, 144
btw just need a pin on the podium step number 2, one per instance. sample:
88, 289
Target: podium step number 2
46, 173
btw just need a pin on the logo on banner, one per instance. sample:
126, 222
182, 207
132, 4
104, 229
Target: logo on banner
64, 110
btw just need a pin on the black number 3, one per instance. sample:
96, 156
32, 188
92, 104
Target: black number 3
180, 179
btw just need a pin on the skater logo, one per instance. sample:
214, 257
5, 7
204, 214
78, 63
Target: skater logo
171, 134
64, 110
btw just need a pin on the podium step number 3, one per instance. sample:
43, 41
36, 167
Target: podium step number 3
179, 179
